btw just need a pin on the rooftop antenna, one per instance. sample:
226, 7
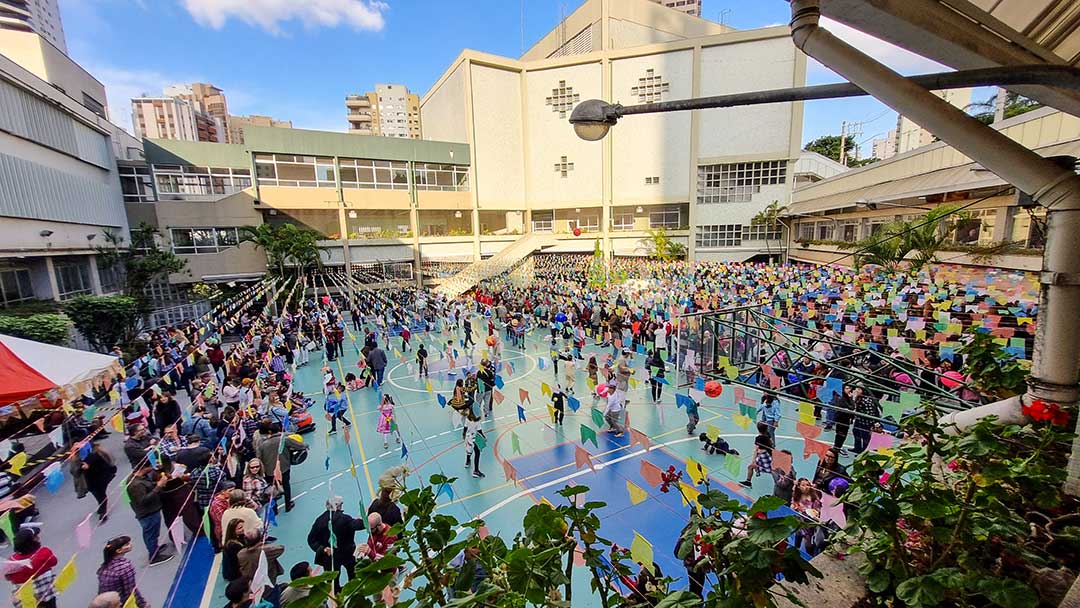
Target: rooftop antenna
723, 14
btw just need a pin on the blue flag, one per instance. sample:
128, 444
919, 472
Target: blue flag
271, 517
699, 384
54, 480
573, 402
499, 382
442, 400
85, 449
151, 455
521, 413
681, 400
447, 489
404, 452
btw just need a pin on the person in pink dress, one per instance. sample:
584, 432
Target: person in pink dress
386, 425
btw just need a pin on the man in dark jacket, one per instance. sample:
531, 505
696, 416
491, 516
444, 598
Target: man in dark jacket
377, 361
274, 455
338, 553
144, 490
137, 444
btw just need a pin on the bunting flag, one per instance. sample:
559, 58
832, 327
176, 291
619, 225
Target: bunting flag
806, 413
16, 464
427, 385
637, 495
881, 443
480, 441
25, 594
271, 513
551, 412
82, 532
781, 461
587, 434
7, 525
832, 510
176, 533
651, 473
712, 432
521, 414
682, 400
698, 472
523, 396
260, 579
732, 465
689, 494
597, 417
637, 437
892, 409
445, 488
442, 400
642, 552
545, 389
744, 422
748, 410
497, 397
499, 383
582, 458
813, 446
808, 431
67, 575
509, 472
54, 477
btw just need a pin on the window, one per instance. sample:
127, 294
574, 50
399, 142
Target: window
738, 182
761, 232
72, 279
623, 221
136, 183
977, 228
184, 179
669, 218
563, 168
825, 231
1028, 228
652, 180
849, 231
203, 240
295, 171
589, 223
15, 285
109, 275
366, 174
431, 176
543, 221
721, 235
806, 231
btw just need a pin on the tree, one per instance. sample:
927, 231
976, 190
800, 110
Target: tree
141, 263
1015, 105
829, 146
912, 242
285, 243
660, 246
770, 217
42, 327
106, 321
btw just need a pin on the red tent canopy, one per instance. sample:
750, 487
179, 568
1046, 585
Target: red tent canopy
18, 380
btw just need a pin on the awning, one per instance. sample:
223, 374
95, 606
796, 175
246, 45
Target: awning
29, 368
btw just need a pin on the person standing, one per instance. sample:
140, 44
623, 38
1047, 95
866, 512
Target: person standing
485, 377
376, 359
866, 404
467, 324
614, 412
472, 448
144, 490
623, 372
769, 414
31, 564
333, 539
421, 361
277, 457
117, 574
337, 406
137, 444
656, 367
98, 470
386, 507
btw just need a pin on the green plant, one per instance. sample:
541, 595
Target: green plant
285, 243
106, 321
206, 291
770, 217
42, 327
660, 246
914, 243
140, 263
1014, 105
993, 371
969, 519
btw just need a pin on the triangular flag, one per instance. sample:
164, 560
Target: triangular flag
405, 450
523, 395
131, 602
637, 495
573, 402
82, 532
67, 575
781, 461
176, 533
7, 525
651, 473
480, 441
732, 464
442, 400
582, 458
640, 438
697, 471
15, 464
712, 432
25, 594
427, 385
743, 421
587, 434
497, 397
271, 513
813, 446
597, 417
551, 412
54, 477
642, 552
689, 494
509, 472
545, 389
808, 431
832, 510
521, 413
515, 443
260, 578
445, 488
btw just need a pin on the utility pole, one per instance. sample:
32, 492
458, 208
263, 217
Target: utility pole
843, 143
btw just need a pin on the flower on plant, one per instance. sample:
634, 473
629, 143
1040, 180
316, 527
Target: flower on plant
954, 465
884, 478
668, 478
1040, 410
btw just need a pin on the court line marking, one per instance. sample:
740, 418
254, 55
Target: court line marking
208, 591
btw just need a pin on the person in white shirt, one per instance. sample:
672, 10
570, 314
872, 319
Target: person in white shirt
613, 414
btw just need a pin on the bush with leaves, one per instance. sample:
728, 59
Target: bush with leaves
971, 519
140, 263
106, 321
48, 328
993, 371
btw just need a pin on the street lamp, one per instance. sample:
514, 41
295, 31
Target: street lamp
592, 118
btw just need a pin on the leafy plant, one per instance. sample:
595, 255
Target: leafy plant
285, 243
993, 371
770, 217
914, 243
206, 291
106, 321
140, 263
973, 519
42, 327
1014, 105
659, 245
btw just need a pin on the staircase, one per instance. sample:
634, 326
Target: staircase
497, 264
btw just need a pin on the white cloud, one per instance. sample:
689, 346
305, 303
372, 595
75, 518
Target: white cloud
121, 85
269, 14
900, 60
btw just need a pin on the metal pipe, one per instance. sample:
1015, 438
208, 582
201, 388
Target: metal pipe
1056, 361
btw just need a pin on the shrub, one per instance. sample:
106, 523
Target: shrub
43, 327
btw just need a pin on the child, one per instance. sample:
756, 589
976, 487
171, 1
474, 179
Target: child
720, 446
558, 401
329, 381
770, 413
336, 406
386, 421
763, 447
472, 450
450, 354
692, 416
351, 382
591, 369
421, 361
783, 482
568, 368
806, 499
405, 335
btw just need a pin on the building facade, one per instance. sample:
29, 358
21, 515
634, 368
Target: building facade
388, 111
41, 17
237, 124
997, 228
701, 175
164, 118
37, 54
59, 190
690, 7
209, 102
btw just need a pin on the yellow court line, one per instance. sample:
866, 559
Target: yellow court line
507, 484
355, 427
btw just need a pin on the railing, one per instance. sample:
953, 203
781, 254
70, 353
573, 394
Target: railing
503, 261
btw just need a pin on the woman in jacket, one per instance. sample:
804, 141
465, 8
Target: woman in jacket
31, 564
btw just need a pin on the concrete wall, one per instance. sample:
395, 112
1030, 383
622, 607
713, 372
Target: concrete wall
50, 64
444, 107
499, 138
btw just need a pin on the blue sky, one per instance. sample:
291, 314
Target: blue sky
296, 60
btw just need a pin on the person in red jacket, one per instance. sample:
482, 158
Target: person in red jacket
31, 564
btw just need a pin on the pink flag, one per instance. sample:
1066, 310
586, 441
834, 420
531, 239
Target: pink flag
781, 461
497, 397
832, 511
637, 436
814, 446
509, 472
176, 533
582, 458
651, 473
82, 533
880, 440
808, 431
523, 395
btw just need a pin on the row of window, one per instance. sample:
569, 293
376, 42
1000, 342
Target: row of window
738, 182
185, 179
733, 235
671, 219
318, 171
203, 240
977, 228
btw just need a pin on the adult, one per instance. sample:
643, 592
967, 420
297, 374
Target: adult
829, 468
231, 545
240, 508
622, 376
275, 452
192, 453
117, 574
470, 572
386, 507
867, 407
656, 374
376, 360
380, 541
614, 411
255, 546
256, 488
333, 539
337, 407
99, 470
144, 491
31, 564
166, 412
294, 592
137, 444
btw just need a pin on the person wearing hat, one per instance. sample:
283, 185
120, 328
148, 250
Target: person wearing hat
333, 539
31, 564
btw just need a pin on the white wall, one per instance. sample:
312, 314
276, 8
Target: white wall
443, 110
499, 143
651, 145
551, 137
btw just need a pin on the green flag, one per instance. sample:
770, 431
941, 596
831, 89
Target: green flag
598, 417
892, 409
732, 464
480, 442
7, 526
515, 442
124, 492
587, 434
747, 410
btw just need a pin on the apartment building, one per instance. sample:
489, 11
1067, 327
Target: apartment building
389, 111
165, 118
59, 190
41, 17
237, 124
209, 102
700, 175
690, 7
999, 227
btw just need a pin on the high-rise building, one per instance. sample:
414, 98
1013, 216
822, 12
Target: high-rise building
39, 16
910, 135
237, 124
164, 118
690, 7
391, 111
884, 147
210, 101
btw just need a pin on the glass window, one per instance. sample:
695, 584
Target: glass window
977, 228
136, 184
623, 221
72, 279
15, 285
173, 179
761, 232
189, 241
667, 218
738, 182
543, 221
719, 235
431, 176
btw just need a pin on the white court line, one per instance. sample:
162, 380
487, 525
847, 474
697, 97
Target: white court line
208, 591
530, 359
317, 486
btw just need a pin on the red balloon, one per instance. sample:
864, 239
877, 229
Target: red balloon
577, 231
491, 341
713, 388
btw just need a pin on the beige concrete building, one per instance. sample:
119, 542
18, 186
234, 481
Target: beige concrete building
389, 111
855, 204
41, 17
164, 118
43, 59
690, 7
237, 124
209, 101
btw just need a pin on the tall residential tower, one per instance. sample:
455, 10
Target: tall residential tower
391, 111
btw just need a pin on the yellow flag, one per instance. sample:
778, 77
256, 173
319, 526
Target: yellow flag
118, 422
591, 383
633, 382
545, 501
26, 596
637, 495
743, 421
712, 432
641, 552
352, 469
17, 462
545, 389
551, 412
689, 494
427, 385
67, 576
806, 413
131, 603
697, 471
